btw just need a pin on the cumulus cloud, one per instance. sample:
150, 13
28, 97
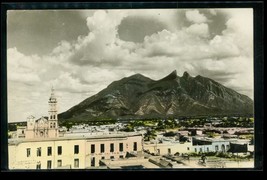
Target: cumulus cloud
195, 17
201, 30
240, 29
22, 68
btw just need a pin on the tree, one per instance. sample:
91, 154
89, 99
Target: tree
12, 127
128, 128
151, 134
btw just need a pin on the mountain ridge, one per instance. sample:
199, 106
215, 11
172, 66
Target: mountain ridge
138, 96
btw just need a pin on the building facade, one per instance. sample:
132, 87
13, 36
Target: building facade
72, 152
168, 148
204, 145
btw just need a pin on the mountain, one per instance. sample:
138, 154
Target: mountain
138, 96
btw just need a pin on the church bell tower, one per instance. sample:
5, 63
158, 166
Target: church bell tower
52, 115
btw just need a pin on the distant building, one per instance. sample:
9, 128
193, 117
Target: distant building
201, 145
168, 148
195, 132
21, 131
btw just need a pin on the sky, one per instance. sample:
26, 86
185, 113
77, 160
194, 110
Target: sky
80, 52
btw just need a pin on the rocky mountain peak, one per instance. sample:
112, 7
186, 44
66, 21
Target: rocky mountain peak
186, 75
171, 76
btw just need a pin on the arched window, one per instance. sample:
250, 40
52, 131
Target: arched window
51, 125
54, 125
54, 116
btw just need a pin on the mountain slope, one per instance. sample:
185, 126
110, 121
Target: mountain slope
140, 96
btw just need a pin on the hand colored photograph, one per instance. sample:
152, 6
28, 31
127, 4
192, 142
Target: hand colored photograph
130, 88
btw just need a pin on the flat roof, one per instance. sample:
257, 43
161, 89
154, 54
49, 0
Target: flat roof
219, 139
87, 137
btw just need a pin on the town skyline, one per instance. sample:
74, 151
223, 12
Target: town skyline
80, 52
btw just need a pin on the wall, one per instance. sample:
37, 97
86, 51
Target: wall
18, 151
174, 147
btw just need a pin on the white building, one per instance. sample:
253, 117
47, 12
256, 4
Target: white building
166, 148
201, 145
71, 152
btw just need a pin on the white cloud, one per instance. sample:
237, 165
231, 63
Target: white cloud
201, 30
240, 28
224, 46
62, 48
195, 17
22, 68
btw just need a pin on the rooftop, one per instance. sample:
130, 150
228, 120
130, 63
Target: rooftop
78, 137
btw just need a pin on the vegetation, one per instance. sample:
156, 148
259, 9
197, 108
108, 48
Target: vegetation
151, 134
68, 124
128, 128
169, 123
169, 134
12, 127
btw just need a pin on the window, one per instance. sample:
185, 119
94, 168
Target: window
76, 149
39, 151
195, 149
28, 151
102, 148
223, 148
111, 147
49, 151
208, 149
76, 163
158, 151
188, 148
121, 156
100, 162
51, 125
38, 165
59, 163
216, 148
121, 147
92, 148
169, 150
59, 150
49, 164
135, 146
111, 157
93, 161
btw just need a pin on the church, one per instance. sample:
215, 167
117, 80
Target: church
44, 127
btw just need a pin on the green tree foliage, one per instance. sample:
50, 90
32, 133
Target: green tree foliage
151, 134
12, 127
128, 128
